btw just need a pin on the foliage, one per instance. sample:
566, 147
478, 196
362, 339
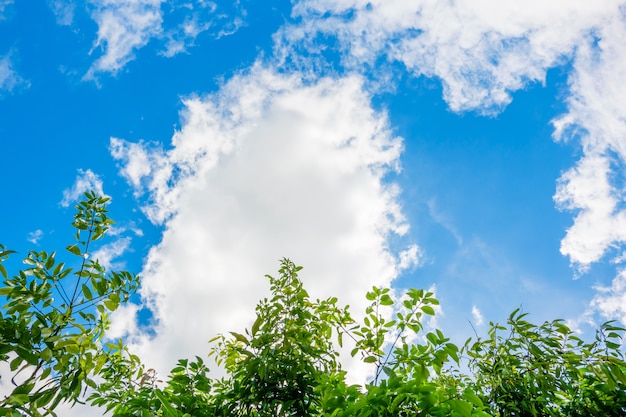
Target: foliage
55, 318
287, 363
546, 370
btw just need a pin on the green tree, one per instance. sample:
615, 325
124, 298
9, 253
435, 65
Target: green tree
287, 363
55, 317
524, 369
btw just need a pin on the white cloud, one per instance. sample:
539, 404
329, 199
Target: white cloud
35, 237
443, 219
10, 80
610, 302
182, 35
265, 168
63, 11
107, 253
599, 223
477, 316
410, 257
597, 117
482, 50
85, 181
123, 27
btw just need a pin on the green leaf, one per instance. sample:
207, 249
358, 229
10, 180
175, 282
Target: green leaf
428, 310
87, 293
18, 399
469, 395
111, 305
240, 337
169, 410
256, 325
3, 271
386, 300
370, 359
74, 250
15, 363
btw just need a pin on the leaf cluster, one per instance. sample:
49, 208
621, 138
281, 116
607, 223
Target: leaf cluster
524, 369
56, 315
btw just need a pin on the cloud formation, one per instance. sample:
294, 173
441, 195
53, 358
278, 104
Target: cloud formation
63, 11
85, 181
596, 116
483, 51
125, 26
10, 80
265, 168
480, 50
610, 301
35, 236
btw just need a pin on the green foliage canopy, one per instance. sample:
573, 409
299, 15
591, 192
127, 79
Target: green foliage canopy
287, 363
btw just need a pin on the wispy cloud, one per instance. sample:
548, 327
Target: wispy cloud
481, 50
123, 27
198, 17
265, 168
477, 316
4, 5
85, 181
63, 11
610, 301
10, 80
35, 237
108, 253
441, 218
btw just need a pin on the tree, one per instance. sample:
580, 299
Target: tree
55, 317
523, 369
287, 363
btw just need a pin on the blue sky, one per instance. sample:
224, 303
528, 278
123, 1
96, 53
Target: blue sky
476, 148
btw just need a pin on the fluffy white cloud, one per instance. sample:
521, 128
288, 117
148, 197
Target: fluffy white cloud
600, 223
10, 80
484, 50
265, 168
481, 50
597, 117
85, 181
410, 257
